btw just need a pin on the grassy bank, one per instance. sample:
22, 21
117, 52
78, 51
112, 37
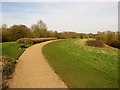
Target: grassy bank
12, 49
10, 53
81, 66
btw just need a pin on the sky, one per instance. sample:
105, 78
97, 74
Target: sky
83, 17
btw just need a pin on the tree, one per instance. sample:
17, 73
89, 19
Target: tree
101, 36
39, 29
33, 27
52, 33
91, 35
20, 31
41, 25
111, 37
81, 35
64, 35
5, 33
74, 35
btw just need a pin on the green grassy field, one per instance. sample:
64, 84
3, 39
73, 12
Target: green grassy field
81, 66
11, 49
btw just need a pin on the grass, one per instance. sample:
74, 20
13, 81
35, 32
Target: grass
10, 52
81, 66
12, 49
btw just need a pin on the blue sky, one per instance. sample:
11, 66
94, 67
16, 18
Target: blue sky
63, 16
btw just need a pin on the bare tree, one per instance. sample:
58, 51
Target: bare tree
39, 29
41, 25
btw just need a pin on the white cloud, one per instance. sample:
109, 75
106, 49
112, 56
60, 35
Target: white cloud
80, 17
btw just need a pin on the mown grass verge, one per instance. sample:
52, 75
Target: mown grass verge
11, 49
81, 66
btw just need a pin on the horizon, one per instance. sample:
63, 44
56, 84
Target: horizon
81, 17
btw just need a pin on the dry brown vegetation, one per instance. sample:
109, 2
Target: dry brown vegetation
95, 43
33, 40
8, 65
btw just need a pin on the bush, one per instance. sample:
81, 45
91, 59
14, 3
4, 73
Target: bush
8, 66
25, 41
110, 38
38, 41
95, 43
116, 44
33, 40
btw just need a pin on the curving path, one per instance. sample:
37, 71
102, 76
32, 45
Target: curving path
33, 71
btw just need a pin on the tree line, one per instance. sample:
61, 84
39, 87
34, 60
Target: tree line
110, 38
21, 31
40, 30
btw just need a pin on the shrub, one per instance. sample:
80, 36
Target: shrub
8, 66
110, 38
33, 40
25, 41
116, 44
38, 41
95, 43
